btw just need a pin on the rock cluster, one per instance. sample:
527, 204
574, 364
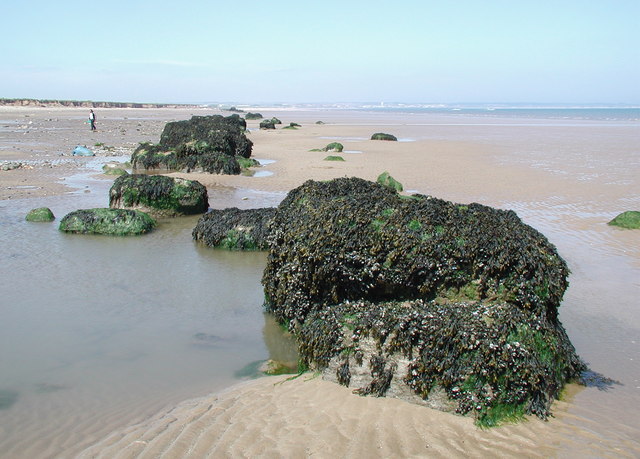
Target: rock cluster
448, 303
203, 143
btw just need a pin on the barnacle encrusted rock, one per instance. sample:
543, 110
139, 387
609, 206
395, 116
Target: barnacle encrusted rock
159, 195
115, 222
234, 229
421, 298
203, 143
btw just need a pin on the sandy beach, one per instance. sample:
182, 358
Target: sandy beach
565, 178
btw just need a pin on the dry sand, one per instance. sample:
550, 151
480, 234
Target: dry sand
308, 417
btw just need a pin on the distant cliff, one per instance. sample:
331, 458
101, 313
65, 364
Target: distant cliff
83, 103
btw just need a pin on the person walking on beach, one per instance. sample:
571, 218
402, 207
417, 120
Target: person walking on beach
92, 120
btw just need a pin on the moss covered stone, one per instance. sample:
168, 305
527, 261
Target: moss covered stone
334, 158
203, 143
253, 116
115, 222
388, 181
41, 214
267, 124
629, 219
234, 229
159, 195
453, 305
383, 136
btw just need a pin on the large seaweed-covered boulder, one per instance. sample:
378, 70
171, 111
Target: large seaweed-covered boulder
203, 143
422, 293
115, 222
159, 195
234, 229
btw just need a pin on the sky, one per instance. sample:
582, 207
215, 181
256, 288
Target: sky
445, 51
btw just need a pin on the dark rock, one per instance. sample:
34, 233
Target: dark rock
41, 214
421, 298
116, 222
253, 116
234, 229
383, 136
159, 195
267, 124
203, 143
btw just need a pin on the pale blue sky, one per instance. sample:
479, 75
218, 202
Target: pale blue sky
559, 51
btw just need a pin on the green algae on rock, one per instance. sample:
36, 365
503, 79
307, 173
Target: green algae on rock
203, 143
234, 229
115, 222
453, 305
388, 181
334, 158
159, 195
41, 214
629, 220
383, 136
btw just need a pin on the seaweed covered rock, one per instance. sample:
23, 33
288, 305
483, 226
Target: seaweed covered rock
116, 222
234, 229
253, 116
159, 195
203, 143
388, 181
421, 292
383, 136
41, 214
629, 220
267, 124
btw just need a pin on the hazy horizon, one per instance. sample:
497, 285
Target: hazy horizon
468, 52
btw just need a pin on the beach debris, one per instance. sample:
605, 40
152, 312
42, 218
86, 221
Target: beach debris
158, 195
11, 165
81, 150
234, 229
629, 220
388, 181
383, 136
114, 222
202, 144
452, 305
41, 214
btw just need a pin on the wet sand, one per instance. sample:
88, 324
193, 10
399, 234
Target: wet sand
566, 179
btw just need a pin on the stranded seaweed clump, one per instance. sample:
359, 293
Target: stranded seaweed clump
115, 222
202, 144
159, 195
234, 229
383, 136
450, 305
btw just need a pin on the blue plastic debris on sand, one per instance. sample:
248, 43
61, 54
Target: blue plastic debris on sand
82, 151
